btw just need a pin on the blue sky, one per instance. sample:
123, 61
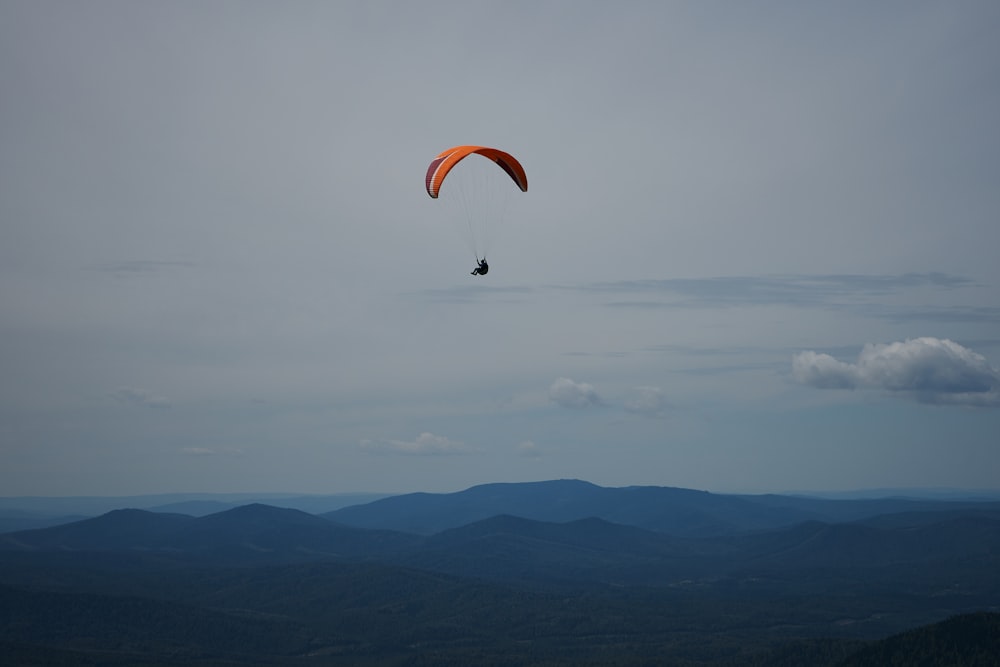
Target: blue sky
758, 251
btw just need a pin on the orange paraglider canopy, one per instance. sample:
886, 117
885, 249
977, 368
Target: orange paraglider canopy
443, 163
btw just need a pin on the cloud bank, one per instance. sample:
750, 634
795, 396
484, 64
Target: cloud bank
930, 370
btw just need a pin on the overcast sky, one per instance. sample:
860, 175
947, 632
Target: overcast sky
760, 248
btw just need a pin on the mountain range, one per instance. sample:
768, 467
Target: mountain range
551, 560
676, 511
26, 512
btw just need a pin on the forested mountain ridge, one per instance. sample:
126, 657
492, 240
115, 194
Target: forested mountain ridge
967, 640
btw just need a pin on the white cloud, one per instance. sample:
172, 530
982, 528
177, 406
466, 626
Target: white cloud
646, 401
425, 443
134, 396
931, 370
823, 371
529, 449
570, 394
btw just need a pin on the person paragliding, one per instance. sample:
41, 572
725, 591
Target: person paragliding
474, 193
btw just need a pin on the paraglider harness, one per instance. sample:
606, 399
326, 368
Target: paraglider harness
482, 269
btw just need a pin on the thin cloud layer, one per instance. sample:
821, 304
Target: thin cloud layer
425, 443
136, 396
569, 394
814, 290
208, 451
529, 449
930, 370
646, 401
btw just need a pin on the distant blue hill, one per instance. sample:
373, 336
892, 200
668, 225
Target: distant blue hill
249, 533
24, 512
675, 511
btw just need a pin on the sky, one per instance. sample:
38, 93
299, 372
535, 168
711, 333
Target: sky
758, 251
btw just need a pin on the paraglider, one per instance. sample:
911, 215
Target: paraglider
478, 191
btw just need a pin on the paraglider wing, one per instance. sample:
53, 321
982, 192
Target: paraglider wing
443, 163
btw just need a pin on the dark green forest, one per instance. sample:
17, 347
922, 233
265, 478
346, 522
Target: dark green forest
360, 615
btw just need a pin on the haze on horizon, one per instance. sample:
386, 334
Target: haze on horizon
758, 251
